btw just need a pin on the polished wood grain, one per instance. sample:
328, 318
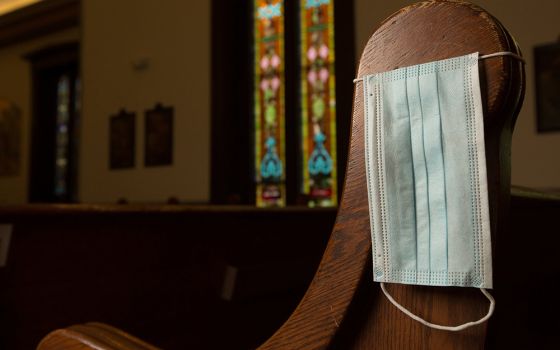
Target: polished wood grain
92, 336
343, 308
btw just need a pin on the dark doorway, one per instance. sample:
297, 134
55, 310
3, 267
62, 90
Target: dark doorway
54, 128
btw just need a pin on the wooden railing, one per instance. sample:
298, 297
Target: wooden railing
176, 275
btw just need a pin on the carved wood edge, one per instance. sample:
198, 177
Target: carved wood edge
151, 209
534, 195
95, 336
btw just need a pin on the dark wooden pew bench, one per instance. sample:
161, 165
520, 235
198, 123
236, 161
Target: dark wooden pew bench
527, 261
177, 275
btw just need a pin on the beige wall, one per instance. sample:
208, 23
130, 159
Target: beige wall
15, 85
535, 157
174, 36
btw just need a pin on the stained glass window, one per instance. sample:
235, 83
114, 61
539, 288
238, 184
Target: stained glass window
269, 102
318, 103
62, 136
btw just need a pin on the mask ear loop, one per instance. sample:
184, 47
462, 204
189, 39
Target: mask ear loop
440, 327
496, 54
503, 53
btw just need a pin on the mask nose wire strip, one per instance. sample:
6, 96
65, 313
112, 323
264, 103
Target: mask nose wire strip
496, 54
444, 328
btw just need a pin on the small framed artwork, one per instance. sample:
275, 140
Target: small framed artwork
122, 131
158, 140
547, 79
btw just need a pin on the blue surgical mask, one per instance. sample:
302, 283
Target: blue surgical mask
426, 177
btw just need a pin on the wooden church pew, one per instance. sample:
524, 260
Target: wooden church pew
343, 308
174, 273
531, 212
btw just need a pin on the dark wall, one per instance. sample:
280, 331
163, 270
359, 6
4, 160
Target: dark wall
158, 273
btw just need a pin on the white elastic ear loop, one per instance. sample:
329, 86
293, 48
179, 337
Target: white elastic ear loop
436, 326
503, 53
496, 54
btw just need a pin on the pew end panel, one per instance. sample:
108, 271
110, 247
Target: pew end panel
343, 307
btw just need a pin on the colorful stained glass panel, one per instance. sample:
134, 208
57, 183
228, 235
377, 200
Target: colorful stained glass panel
269, 105
318, 102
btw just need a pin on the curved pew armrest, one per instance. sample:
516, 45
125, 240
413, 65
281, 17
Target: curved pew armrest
94, 336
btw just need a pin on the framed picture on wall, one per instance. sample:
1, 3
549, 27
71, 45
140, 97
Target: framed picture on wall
122, 131
158, 140
10, 139
547, 80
